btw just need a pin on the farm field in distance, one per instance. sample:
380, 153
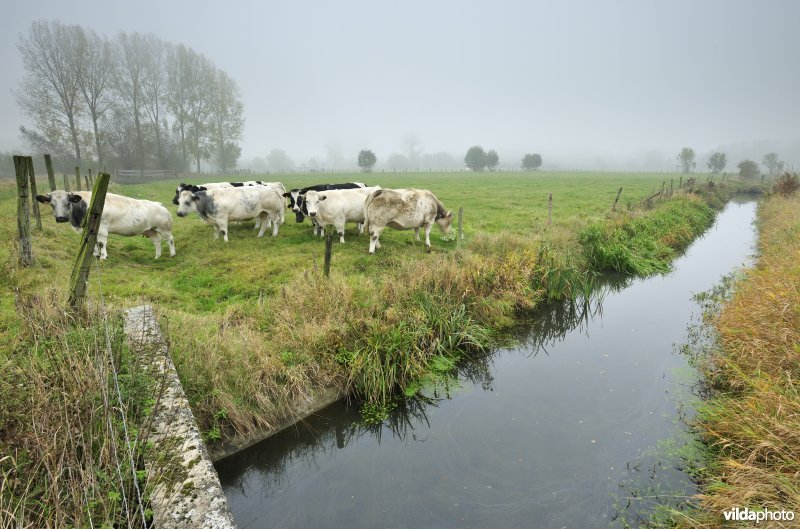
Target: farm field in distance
248, 320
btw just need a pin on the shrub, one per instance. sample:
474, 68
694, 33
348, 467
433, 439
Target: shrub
787, 184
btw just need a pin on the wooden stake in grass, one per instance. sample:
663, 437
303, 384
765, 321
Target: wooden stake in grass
23, 213
550, 209
77, 179
51, 177
460, 223
34, 203
66, 183
91, 179
614, 206
80, 272
86, 180
326, 267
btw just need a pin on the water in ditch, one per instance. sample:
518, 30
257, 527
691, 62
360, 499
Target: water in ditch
572, 428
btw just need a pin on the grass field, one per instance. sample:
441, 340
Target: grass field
252, 323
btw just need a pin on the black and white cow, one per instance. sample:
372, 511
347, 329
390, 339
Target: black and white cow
217, 207
297, 197
404, 209
121, 216
338, 207
221, 185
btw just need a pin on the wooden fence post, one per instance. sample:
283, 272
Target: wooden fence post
86, 180
326, 267
80, 272
91, 180
77, 179
66, 183
614, 207
34, 203
460, 223
51, 177
550, 209
23, 213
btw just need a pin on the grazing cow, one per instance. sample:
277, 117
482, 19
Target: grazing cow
219, 206
404, 209
121, 216
338, 207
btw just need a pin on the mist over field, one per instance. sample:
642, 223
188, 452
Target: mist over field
622, 85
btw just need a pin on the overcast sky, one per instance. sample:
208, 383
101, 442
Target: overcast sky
585, 79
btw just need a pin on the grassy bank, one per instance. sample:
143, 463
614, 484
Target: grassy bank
254, 327
751, 423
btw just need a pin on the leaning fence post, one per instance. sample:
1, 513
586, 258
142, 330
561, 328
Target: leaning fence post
77, 179
51, 177
23, 213
326, 267
80, 272
86, 180
66, 183
460, 223
550, 209
91, 179
614, 207
34, 203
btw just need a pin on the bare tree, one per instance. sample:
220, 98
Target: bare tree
50, 92
95, 75
227, 120
154, 89
130, 50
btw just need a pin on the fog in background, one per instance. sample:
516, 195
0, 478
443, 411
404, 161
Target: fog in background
605, 85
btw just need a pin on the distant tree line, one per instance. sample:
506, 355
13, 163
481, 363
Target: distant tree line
133, 101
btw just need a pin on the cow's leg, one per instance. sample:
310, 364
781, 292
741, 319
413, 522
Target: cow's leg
416, 232
170, 242
155, 238
340, 228
428, 227
102, 243
262, 218
257, 224
360, 228
223, 228
374, 239
216, 232
276, 223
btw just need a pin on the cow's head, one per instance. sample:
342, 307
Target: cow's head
444, 221
62, 203
185, 187
187, 202
312, 200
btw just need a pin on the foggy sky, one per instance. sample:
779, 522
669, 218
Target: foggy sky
579, 81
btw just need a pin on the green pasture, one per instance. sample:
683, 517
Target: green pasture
209, 275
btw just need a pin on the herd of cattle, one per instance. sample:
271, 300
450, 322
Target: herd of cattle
217, 204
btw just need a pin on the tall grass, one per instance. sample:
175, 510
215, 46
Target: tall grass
752, 420
64, 454
646, 243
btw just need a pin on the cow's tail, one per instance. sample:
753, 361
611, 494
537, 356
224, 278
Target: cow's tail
367, 204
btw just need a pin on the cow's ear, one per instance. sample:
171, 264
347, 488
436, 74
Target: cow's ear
195, 197
44, 199
323, 197
287, 195
74, 198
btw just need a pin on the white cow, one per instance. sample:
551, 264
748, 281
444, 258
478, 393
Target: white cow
404, 209
121, 216
221, 185
338, 207
217, 207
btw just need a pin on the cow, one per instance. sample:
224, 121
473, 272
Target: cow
338, 207
121, 216
297, 200
404, 209
219, 185
219, 206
